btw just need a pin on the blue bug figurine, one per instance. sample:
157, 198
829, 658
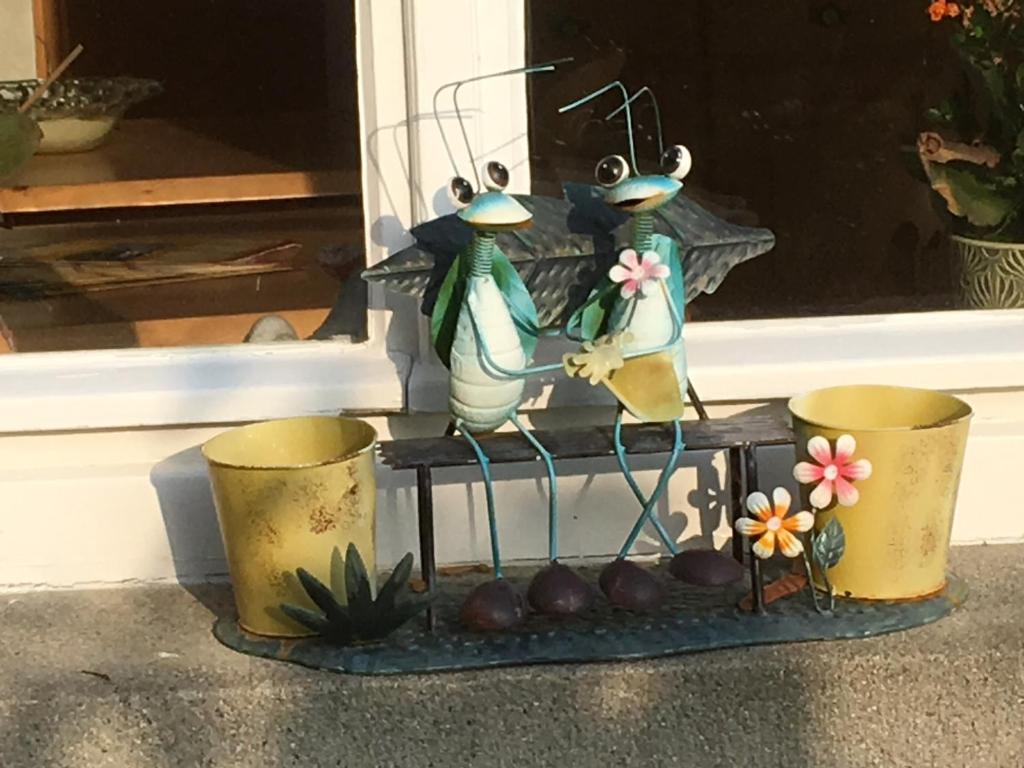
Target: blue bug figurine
639, 305
484, 327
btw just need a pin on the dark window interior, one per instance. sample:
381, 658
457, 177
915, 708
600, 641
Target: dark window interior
801, 116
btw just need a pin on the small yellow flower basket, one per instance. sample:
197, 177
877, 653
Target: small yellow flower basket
885, 461
288, 492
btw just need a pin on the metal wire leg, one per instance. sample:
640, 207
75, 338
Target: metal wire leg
552, 489
485, 468
659, 490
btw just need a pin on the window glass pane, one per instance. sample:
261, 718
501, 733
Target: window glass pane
227, 189
802, 117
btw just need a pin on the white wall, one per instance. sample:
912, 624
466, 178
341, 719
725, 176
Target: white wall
17, 40
83, 508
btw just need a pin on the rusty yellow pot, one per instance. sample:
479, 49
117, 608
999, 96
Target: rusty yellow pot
898, 530
287, 493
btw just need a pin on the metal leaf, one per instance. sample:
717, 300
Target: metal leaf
321, 595
357, 587
337, 572
829, 545
398, 579
403, 612
313, 621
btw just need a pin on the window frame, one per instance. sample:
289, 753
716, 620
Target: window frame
403, 53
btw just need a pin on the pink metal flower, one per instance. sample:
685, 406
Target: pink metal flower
832, 472
638, 274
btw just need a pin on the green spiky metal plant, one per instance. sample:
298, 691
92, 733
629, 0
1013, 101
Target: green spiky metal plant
974, 153
364, 618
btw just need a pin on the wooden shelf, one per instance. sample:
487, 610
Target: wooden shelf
149, 162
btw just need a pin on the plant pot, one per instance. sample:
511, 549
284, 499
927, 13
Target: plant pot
288, 492
991, 273
897, 533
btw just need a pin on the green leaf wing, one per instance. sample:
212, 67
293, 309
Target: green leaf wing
668, 250
520, 303
445, 317
591, 318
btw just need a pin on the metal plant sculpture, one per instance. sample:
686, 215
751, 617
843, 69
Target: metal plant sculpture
364, 618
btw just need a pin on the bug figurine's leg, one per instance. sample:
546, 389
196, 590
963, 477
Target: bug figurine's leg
625, 583
620, 454
659, 491
555, 589
496, 604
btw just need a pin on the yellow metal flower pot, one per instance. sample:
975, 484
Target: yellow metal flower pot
287, 493
898, 528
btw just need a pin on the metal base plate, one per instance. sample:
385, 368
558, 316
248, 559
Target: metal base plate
693, 619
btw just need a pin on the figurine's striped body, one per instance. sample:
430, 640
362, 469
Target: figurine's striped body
479, 397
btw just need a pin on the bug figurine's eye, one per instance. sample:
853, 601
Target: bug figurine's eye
495, 176
611, 170
460, 192
676, 162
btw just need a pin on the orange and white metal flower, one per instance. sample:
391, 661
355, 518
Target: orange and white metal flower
771, 526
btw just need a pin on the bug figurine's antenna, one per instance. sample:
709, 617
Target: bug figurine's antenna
657, 114
548, 66
629, 115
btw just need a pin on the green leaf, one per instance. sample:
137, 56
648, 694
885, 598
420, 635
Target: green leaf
969, 196
829, 545
445, 317
519, 300
19, 140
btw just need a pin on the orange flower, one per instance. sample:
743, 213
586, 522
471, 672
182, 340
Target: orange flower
772, 524
940, 9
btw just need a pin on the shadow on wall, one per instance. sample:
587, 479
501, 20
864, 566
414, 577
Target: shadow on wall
190, 519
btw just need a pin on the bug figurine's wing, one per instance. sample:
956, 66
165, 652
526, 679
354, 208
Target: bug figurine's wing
445, 315
559, 230
519, 301
710, 246
668, 250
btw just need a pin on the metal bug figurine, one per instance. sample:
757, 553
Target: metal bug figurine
484, 327
639, 305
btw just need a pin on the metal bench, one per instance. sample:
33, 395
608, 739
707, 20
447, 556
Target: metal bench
740, 436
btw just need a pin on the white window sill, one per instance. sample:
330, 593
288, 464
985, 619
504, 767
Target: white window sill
765, 359
203, 385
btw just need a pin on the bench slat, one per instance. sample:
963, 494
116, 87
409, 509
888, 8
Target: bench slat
510, 447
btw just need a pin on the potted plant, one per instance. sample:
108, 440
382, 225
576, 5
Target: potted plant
973, 155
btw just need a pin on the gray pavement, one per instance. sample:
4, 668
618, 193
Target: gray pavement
133, 678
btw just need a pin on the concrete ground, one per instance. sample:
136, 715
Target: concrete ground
133, 677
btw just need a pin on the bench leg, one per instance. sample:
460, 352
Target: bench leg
736, 499
428, 562
696, 402
756, 578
